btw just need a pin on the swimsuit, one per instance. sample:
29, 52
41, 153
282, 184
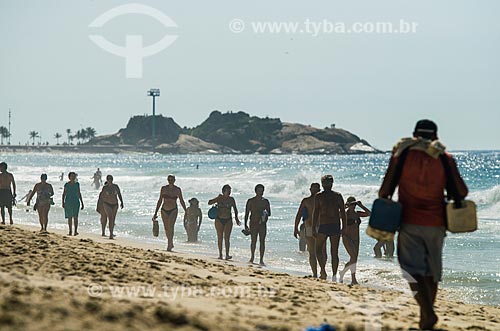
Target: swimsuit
353, 221
111, 205
166, 196
224, 205
44, 196
168, 212
330, 229
6, 198
223, 221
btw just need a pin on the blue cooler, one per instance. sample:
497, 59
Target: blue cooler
385, 219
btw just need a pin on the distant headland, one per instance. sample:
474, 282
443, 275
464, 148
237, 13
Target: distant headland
220, 133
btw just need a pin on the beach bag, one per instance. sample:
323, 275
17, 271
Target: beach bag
213, 212
156, 228
461, 218
385, 217
461, 215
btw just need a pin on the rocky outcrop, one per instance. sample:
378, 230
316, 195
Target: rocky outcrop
139, 132
233, 133
240, 131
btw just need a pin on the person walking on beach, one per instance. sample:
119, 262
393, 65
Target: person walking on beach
350, 236
305, 212
100, 210
168, 203
224, 220
258, 209
110, 194
7, 196
71, 200
421, 193
192, 220
44, 193
327, 216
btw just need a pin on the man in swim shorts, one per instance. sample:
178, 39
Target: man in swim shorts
258, 209
305, 212
327, 216
6, 194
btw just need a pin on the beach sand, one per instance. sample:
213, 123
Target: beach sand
54, 282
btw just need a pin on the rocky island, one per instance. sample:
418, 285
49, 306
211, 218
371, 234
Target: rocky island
232, 133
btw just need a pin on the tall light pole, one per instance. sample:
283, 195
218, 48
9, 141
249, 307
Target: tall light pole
9, 127
154, 92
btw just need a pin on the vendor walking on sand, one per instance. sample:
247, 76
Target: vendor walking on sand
259, 210
44, 193
109, 198
192, 220
7, 195
421, 193
71, 200
350, 236
168, 203
305, 212
224, 219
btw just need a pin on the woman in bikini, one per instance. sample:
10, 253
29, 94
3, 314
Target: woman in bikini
44, 193
168, 203
350, 236
109, 205
224, 219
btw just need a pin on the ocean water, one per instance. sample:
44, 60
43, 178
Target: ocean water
471, 261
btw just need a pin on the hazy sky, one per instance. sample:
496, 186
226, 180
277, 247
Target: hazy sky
374, 85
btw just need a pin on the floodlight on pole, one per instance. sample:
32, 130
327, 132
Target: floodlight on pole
154, 92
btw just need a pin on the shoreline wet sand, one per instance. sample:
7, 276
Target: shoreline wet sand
50, 281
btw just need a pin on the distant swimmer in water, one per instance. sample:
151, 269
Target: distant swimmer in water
61, 177
350, 236
168, 203
259, 210
44, 193
224, 220
192, 220
388, 247
305, 212
71, 200
97, 179
109, 196
7, 196
329, 221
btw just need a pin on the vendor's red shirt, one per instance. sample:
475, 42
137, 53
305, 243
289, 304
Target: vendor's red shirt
421, 189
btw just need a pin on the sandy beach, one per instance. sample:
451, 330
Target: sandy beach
50, 281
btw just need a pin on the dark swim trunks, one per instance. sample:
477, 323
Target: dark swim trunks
6, 198
329, 229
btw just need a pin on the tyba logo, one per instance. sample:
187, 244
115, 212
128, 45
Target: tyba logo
133, 51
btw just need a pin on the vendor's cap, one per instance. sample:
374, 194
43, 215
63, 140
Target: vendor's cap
426, 128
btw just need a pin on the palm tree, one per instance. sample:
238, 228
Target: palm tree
33, 135
57, 136
90, 132
68, 133
4, 133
